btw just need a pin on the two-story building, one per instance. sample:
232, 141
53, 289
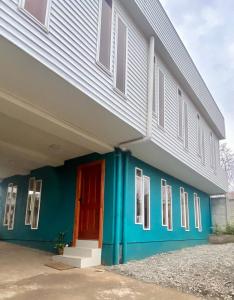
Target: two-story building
107, 131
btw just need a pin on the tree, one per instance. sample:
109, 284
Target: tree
227, 163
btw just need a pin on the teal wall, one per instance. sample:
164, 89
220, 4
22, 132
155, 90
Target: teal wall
58, 204
141, 243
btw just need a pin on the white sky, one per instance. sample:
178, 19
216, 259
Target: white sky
206, 27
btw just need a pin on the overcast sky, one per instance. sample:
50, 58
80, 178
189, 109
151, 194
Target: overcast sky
207, 29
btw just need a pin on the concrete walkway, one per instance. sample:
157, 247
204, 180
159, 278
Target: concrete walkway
24, 276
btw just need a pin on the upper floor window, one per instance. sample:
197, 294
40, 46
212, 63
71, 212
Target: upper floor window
199, 144
38, 9
180, 114
105, 29
33, 203
183, 126
9, 214
212, 151
121, 56
161, 98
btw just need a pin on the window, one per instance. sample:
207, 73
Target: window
212, 152
184, 207
197, 212
164, 201
203, 146
38, 9
161, 98
154, 87
198, 135
169, 208
185, 125
146, 203
9, 215
105, 28
33, 203
142, 199
121, 56
138, 197
166, 194
183, 129
180, 114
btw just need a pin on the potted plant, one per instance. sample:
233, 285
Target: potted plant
60, 243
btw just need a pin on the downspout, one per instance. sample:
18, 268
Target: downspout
125, 201
118, 202
148, 135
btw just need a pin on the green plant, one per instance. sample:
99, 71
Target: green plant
217, 230
60, 242
229, 229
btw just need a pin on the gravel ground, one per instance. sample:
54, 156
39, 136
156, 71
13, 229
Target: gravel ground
206, 271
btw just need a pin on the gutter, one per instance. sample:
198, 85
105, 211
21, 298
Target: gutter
148, 135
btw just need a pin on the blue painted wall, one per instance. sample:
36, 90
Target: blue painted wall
141, 243
58, 203
57, 206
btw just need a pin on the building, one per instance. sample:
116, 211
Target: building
222, 210
107, 130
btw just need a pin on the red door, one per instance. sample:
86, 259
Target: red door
89, 206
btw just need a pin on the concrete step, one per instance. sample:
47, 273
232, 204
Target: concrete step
87, 243
78, 261
82, 251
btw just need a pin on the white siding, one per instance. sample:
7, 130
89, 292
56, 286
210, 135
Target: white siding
70, 47
158, 19
167, 138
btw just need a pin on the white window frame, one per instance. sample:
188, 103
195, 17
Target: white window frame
158, 95
167, 187
104, 68
45, 26
146, 228
169, 229
142, 194
39, 206
27, 204
199, 133
162, 211
122, 94
203, 146
187, 227
186, 132
184, 209
197, 212
32, 204
155, 97
178, 114
9, 202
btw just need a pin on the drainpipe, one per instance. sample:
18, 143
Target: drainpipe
150, 99
125, 201
118, 200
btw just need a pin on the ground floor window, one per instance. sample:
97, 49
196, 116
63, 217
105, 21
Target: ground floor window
9, 214
33, 203
197, 212
184, 206
146, 203
142, 199
166, 199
